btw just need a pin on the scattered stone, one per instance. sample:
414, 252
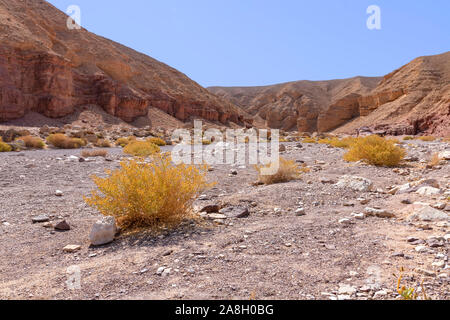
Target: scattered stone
345, 289
363, 201
428, 213
40, 219
358, 216
380, 213
406, 201
103, 231
445, 155
59, 193
380, 294
212, 208
62, 226
327, 180
345, 221
233, 172
216, 216
71, 248
428, 191
355, 183
160, 271
439, 206
425, 272
235, 212
300, 212
421, 249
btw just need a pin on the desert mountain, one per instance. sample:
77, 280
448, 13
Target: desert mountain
49, 69
413, 99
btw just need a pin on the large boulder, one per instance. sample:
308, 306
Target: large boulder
103, 231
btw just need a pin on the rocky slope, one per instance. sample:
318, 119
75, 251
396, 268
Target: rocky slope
303, 105
47, 68
411, 100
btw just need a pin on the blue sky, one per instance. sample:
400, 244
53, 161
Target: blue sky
259, 42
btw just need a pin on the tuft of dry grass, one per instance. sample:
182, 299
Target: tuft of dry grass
103, 143
32, 142
149, 195
288, 170
4, 147
61, 141
376, 151
94, 153
309, 140
408, 138
141, 149
435, 160
345, 143
158, 141
427, 138
123, 142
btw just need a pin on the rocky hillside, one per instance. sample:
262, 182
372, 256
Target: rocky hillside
411, 100
47, 68
303, 105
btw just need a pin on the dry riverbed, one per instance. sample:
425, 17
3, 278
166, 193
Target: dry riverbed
332, 249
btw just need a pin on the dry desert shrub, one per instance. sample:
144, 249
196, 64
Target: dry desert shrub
288, 170
103, 143
94, 153
149, 195
141, 149
158, 141
123, 142
338, 143
375, 150
435, 160
408, 138
32, 142
61, 141
4, 147
309, 140
427, 138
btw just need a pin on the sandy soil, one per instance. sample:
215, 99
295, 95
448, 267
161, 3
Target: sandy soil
272, 254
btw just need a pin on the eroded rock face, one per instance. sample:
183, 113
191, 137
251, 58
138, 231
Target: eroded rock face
411, 100
49, 69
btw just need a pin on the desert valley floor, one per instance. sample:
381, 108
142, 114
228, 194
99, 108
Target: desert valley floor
331, 252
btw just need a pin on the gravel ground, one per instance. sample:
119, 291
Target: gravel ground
272, 254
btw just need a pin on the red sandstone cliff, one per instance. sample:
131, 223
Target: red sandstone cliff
411, 100
47, 68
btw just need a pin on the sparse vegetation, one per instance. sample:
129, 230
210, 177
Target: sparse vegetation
32, 142
288, 170
4, 147
435, 160
158, 141
409, 293
309, 140
206, 142
407, 138
376, 151
123, 142
142, 195
345, 143
141, 148
427, 138
61, 141
94, 153
103, 143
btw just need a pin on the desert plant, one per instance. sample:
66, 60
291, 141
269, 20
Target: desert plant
206, 142
288, 170
141, 149
407, 138
435, 160
61, 141
309, 140
123, 142
427, 138
158, 141
94, 153
375, 150
32, 142
149, 195
409, 293
4, 147
103, 143
338, 143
